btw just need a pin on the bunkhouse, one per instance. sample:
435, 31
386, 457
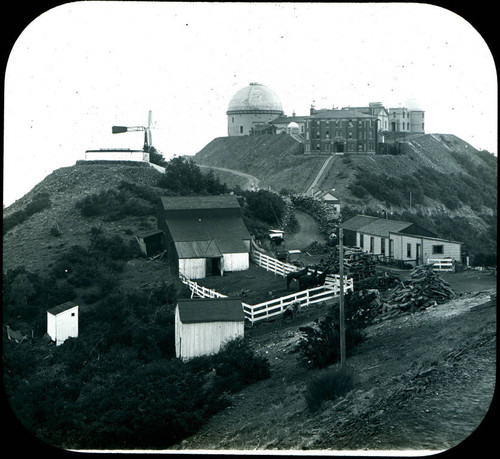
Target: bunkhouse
204, 325
398, 240
204, 235
62, 322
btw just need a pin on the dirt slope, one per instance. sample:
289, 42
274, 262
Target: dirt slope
425, 381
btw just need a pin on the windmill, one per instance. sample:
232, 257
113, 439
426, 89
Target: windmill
146, 129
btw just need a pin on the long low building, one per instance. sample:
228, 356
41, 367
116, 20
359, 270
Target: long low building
204, 235
398, 240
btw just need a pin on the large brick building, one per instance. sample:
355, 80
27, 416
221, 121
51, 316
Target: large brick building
340, 131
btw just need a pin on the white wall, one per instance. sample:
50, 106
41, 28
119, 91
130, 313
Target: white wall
120, 155
193, 268
236, 261
193, 340
63, 325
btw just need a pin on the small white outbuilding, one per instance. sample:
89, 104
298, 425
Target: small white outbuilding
62, 322
204, 325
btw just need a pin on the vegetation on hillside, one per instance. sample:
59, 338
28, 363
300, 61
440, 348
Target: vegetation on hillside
118, 385
39, 202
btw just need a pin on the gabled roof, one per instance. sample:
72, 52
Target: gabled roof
62, 307
201, 310
383, 226
357, 222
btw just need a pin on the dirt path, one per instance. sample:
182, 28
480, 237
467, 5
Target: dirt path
307, 233
424, 382
252, 182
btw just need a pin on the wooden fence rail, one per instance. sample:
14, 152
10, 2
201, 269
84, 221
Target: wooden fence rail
272, 308
441, 264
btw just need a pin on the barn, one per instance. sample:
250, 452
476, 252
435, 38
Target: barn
204, 325
204, 235
62, 322
398, 240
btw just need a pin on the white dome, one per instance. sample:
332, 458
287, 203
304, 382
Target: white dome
255, 98
293, 125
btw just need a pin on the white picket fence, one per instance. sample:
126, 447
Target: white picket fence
268, 309
441, 264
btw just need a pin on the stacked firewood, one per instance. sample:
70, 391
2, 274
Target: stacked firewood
424, 288
357, 264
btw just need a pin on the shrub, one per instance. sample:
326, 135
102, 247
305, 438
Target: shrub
328, 385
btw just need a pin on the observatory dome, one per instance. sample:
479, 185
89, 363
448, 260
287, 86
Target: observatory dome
255, 98
292, 125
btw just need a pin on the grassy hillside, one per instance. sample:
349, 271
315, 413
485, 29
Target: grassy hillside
277, 161
436, 180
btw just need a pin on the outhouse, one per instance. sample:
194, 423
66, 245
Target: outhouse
62, 322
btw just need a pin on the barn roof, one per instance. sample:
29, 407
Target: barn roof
61, 308
200, 202
201, 310
197, 249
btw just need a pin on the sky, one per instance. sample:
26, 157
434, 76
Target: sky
81, 67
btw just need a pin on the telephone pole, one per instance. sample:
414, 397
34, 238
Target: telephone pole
341, 298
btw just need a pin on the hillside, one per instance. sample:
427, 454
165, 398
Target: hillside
436, 180
31, 243
425, 379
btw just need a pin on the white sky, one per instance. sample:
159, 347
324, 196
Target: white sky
82, 67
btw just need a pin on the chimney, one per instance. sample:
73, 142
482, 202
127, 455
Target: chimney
312, 111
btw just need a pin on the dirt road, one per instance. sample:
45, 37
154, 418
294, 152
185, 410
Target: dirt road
425, 381
252, 182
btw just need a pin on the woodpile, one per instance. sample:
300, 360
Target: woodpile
357, 264
423, 289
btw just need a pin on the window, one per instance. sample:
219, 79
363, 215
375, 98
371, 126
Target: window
232, 119
408, 250
241, 129
372, 244
382, 246
438, 249
318, 147
361, 241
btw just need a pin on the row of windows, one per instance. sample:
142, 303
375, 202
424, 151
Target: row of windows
436, 249
350, 123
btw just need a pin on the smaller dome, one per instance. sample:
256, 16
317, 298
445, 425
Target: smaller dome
292, 125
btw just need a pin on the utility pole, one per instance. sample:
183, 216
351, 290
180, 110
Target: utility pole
341, 298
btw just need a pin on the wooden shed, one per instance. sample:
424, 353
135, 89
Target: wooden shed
62, 322
150, 242
204, 325
204, 235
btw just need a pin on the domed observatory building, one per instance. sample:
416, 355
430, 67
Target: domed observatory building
251, 106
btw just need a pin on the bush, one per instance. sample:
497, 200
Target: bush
319, 345
328, 385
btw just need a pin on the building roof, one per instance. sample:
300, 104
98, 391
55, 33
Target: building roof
207, 228
197, 249
200, 202
357, 222
200, 310
149, 233
383, 226
62, 307
288, 119
340, 114
255, 97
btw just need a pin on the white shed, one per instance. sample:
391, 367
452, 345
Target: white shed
62, 322
204, 325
